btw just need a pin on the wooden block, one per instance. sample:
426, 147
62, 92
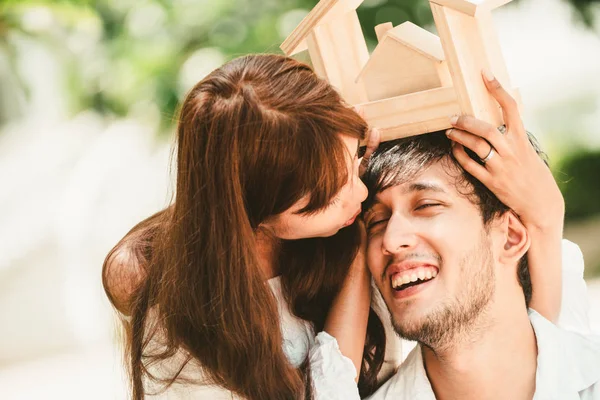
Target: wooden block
471, 7
339, 52
381, 30
395, 70
490, 5
323, 13
419, 39
492, 48
412, 114
470, 45
444, 74
407, 60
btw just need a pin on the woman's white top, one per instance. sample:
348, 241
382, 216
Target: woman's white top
333, 374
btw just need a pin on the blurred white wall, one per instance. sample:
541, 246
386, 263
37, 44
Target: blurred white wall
555, 61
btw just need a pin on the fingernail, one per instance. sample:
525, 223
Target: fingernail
487, 74
374, 135
449, 132
454, 119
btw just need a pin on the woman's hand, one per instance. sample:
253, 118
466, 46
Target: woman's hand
349, 313
514, 171
373, 141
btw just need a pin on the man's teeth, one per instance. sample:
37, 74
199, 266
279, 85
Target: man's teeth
413, 275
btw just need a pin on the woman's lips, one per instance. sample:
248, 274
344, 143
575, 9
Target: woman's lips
351, 220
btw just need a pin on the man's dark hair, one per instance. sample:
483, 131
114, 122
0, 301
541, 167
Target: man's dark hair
398, 161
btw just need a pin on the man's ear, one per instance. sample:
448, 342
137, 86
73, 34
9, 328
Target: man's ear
516, 239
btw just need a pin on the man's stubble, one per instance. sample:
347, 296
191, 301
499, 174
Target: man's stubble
457, 319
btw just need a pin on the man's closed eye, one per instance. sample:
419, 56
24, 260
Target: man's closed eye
427, 205
373, 224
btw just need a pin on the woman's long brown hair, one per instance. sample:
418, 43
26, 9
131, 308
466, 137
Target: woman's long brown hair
254, 137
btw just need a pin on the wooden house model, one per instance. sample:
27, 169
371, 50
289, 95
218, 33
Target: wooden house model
413, 81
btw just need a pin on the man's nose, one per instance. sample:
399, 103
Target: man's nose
399, 236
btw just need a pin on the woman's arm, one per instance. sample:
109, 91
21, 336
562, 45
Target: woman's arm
521, 179
349, 313
545, 268
125, 265
575, 307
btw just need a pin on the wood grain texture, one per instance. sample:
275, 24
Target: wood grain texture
321, 14
339, 52
412, 114
469, 46
382, 29
408, 59
472, 7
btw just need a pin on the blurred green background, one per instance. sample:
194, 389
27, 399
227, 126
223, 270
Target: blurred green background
120, 52
89, 92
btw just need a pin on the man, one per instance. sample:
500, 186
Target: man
449, 260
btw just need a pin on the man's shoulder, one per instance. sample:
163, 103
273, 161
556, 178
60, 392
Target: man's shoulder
568, 361
581, 355
569, 339
591, 393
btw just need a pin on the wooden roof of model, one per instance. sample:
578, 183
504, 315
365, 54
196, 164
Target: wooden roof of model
471, 7
323, 12
415, 38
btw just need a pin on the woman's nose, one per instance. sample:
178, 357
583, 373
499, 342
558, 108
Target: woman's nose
362, 190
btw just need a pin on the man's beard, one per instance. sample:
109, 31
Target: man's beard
456, 319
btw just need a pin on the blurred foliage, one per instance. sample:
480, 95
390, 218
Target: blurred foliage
585, 10
579, 180
124, 56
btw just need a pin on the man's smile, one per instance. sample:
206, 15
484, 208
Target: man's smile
407, 278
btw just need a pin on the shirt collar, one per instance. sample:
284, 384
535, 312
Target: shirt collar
409, 382
567, 362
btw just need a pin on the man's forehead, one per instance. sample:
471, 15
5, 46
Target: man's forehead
433, 179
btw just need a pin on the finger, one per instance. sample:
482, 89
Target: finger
372, 142
510, 109
476, 144
482, 129
471, 166
372, 145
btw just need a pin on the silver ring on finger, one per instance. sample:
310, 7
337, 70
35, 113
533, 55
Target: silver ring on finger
489, 156
502, 129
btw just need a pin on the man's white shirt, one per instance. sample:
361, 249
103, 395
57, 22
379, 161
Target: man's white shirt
568, 368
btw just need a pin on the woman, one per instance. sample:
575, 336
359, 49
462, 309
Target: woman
260, 247
247, 189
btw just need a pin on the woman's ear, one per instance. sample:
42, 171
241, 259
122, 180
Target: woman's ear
516, 240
